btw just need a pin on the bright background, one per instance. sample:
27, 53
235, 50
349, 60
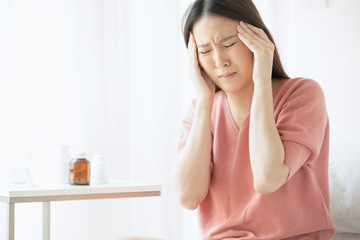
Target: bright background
110, 77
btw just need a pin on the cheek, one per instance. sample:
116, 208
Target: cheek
205, 63
242, 56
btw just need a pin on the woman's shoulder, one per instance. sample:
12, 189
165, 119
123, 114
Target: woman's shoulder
298, 82
299, 91
301, 86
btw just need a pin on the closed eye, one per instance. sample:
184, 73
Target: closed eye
205, 52
224, 46
230, 45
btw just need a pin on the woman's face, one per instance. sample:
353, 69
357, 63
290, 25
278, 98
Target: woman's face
222, 55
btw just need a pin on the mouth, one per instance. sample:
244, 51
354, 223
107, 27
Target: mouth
227, 75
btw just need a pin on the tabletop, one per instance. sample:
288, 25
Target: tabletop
115, 188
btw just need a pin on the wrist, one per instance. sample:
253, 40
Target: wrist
204, 99
205, 103
262, 84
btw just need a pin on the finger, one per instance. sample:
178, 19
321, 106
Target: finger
250, 35
194, 63
257, 31
189, 43
260, 32
264, 38
194, 42
251, 42
191, 47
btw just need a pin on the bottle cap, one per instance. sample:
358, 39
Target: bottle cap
80, 155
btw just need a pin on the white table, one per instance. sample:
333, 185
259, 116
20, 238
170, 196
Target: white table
21, 193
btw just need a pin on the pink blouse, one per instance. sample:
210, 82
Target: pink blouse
299, 209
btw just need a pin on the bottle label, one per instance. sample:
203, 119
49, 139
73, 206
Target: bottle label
80, 173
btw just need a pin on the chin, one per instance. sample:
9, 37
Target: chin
233, 88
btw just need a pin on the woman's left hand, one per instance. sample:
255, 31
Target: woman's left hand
258, 42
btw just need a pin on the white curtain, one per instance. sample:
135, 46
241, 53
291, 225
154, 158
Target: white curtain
102, 77
148, 33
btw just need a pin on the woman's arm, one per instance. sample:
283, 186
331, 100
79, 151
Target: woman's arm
266, 149
191, 173
265, 145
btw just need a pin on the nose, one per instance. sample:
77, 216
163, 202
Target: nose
221, 60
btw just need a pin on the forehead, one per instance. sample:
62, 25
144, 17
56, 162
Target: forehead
213, 27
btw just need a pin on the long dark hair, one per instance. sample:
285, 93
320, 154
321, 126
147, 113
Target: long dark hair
238, 10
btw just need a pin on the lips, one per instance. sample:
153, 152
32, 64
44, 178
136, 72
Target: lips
227, 75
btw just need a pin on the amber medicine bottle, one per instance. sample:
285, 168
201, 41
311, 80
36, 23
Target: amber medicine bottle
79, 170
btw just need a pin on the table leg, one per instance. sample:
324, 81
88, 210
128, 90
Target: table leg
46, 220
11, 221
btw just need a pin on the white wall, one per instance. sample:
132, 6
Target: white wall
152, 124
41, 106
321, 41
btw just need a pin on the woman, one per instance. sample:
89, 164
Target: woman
253, 152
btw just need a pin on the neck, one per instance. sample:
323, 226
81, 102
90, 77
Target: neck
242, 99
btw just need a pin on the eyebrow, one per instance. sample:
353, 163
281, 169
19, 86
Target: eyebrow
222, 40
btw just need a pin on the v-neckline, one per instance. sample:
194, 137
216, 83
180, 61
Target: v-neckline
230, 116
275, 90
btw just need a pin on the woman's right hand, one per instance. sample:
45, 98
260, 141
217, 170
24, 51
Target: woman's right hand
204, 86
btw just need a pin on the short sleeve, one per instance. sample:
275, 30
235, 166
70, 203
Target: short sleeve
302, 124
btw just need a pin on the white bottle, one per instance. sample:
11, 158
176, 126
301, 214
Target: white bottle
63, 165
98, 170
